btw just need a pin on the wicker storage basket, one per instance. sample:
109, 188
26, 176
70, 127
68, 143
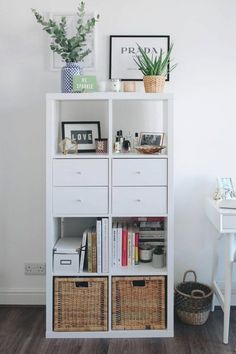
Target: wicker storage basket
193, 301
154, 84
80, 304
138, 303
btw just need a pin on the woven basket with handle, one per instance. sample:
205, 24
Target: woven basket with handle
193, 300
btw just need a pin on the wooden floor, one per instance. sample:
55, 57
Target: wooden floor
22, 331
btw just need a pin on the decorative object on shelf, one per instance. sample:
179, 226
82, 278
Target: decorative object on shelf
149, 149
83, 133
82, 83
129, 86
155, 139
72, 49
158, 257
116, 85
101, 145
145, 253
193, 300
57, 62
123, 48
135, 141
126, 146
226, 188
155, 69
68, 146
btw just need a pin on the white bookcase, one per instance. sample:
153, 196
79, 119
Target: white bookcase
115, 185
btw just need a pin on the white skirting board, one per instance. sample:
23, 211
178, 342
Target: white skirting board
26, 296
13, 296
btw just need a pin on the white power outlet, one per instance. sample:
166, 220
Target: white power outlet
35, 268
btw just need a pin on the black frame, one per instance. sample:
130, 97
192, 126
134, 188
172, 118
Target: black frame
134, 36
63, 124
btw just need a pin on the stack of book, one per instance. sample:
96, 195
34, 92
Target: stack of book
94, 249
126, 239
151, 231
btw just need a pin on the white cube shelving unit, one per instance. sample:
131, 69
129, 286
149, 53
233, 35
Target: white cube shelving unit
148, 193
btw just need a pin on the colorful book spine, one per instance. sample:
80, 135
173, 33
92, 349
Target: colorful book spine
124, 246
136, 261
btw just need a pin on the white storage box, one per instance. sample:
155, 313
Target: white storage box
66, 255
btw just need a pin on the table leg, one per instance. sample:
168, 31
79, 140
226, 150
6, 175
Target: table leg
214, 272
229, 252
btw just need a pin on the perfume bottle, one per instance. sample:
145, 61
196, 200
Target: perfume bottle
135, 141
117, 145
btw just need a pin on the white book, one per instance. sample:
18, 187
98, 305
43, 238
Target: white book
133, 247
114, 245
99, 245
105, 246
83, 250
119, 239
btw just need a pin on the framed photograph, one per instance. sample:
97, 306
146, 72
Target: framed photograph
83, 133
155, 139
122, 50
226, 188
71, 19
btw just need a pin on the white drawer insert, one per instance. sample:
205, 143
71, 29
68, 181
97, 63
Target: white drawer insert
139, 200
139, 172
80, 172
80, 200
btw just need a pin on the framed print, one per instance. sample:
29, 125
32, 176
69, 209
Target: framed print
71, 19
155, 139
83, 133
226, 188
122, 50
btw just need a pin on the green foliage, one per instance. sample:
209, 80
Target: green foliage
70, 49
154, 65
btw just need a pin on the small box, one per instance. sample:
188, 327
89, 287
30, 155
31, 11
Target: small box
66, 255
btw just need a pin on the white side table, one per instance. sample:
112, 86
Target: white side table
225, 222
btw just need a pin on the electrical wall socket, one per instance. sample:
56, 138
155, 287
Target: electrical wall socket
35, 268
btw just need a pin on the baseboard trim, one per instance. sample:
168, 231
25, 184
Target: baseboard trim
25, 296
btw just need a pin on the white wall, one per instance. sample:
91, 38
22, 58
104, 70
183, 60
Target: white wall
205, 114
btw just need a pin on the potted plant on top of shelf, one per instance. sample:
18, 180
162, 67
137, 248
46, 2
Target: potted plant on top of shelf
154, 68
72, 49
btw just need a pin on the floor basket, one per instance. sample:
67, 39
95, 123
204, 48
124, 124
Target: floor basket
80, 304
138, 303
193, 301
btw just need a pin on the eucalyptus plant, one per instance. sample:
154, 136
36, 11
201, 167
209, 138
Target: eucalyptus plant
71, 49
154, 65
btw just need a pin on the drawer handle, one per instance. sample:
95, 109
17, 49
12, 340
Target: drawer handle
138, 200
138, 172
79, 200
78, 172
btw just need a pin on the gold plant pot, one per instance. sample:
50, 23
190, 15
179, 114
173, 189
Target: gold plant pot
154, 83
